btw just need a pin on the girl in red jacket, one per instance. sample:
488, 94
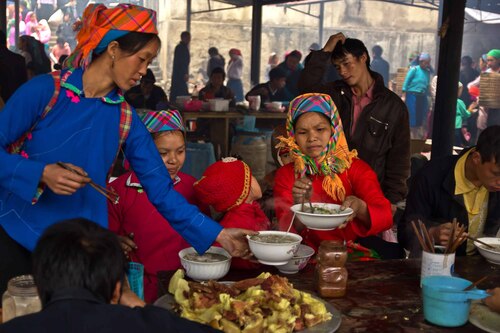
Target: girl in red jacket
155, 244
325, 170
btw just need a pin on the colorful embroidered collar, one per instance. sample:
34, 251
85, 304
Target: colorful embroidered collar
72, 82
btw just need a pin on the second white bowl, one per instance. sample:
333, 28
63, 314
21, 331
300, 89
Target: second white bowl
204, 271
274, 253
299, 260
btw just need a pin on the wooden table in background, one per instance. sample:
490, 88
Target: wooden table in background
219, 124
382, 296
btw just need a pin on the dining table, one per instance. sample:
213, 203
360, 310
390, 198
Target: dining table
220, 123
382, 296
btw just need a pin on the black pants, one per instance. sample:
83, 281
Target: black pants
14, 260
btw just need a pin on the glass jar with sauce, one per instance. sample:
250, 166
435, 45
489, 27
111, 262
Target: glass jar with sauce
330, 274
20, 298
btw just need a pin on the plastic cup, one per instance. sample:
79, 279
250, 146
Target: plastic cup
254, 102
135, 276
437, 264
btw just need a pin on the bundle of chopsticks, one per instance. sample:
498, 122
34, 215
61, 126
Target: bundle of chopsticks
457, 237
109, 194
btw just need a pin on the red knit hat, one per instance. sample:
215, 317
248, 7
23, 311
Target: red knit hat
224, 184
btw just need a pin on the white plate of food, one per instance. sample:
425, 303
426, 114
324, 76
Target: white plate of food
251, 297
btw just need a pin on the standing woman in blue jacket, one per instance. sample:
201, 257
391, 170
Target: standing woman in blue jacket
84, 130
415, 92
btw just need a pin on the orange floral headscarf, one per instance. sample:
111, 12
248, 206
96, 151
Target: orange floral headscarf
98, 20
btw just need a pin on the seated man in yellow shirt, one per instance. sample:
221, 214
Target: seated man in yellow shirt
465, 187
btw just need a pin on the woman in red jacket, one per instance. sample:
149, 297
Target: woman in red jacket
325, 170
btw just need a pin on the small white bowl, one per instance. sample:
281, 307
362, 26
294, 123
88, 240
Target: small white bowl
204, 271
489, 254
274, 253
317, 221
299, 260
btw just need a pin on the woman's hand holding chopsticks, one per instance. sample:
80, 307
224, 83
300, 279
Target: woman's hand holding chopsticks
62, 181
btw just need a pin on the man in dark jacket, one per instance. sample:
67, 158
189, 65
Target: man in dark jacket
79, 268
272, 90
180, 68
465, 187
12, 70
375, 120
147, 95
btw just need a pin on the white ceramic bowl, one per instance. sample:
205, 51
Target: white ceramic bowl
317, 221
274, 106
299, 260
204, 271
489, 254
274, 253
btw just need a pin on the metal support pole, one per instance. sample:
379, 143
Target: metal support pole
16, 22
256, 41
321, 19
188, 15
450, 48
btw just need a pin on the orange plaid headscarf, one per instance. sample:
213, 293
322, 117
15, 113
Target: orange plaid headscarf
98, 20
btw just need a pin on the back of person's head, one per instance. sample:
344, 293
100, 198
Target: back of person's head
466, 61
60, 62
351, 46
149, 77
377, 50
218, 70
488, 144
60, 41
78, 253
295, 54
213, 51
276, 73
185, 34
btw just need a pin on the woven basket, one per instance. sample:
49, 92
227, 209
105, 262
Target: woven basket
489, 91
400, 80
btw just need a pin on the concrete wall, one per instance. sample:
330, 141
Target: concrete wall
398, 29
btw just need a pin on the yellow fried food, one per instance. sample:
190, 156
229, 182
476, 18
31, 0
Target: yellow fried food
267, 303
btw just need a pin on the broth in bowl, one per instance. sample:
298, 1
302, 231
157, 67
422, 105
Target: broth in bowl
274, 247
273, 238
207, 257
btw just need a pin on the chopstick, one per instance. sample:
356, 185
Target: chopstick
480, 242
110, 195
459, 238
472, 286
427, 236
311, 206
419, 237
